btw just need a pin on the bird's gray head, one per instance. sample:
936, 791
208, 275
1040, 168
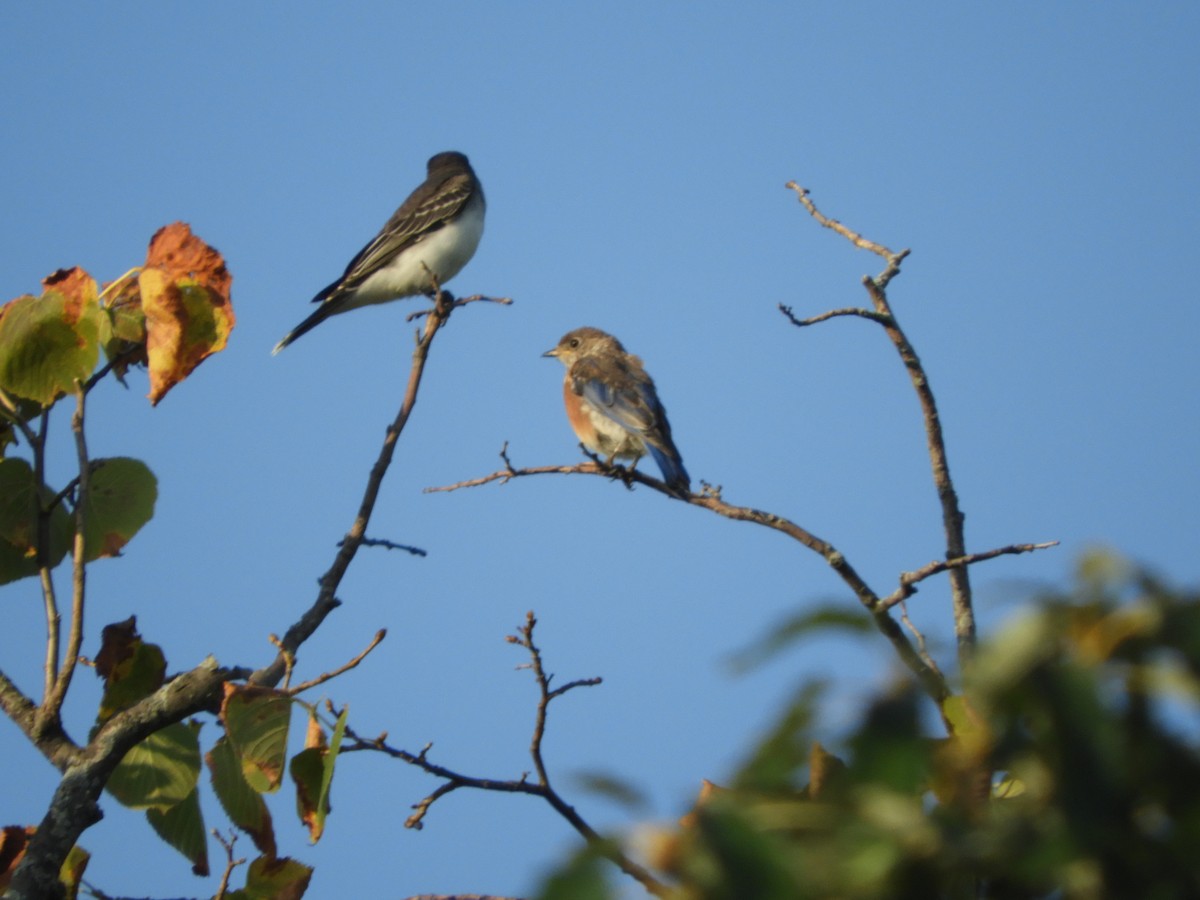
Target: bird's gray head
450, 159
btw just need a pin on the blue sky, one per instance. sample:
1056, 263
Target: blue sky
1038, 159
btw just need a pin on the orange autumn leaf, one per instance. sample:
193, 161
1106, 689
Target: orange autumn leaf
185, 291
77, 286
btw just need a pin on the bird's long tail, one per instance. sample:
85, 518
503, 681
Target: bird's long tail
671, 464
322, 312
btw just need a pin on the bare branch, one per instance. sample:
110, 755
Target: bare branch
435, 319
457, 302
710, 498
908, 580
540, 787
50, 601
52, 706
952, 516
922, 649
321, 679
833, 313
833, 224
230, 862
391, 545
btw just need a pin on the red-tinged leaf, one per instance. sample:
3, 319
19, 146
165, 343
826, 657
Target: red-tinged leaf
19, 506
823, 769
183, 256
14, 839
185, 289
120, 500
256, 722
306, 769
77, 287
161, 771
274, 879
131, 668
182, 827
243, 804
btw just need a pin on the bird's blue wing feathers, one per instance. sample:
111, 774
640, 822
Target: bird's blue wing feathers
636, 412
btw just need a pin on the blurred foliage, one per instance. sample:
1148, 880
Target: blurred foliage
1082, 715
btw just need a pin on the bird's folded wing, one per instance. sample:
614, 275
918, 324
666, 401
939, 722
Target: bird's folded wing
417, 217
633, 406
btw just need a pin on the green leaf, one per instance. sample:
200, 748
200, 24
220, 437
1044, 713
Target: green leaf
120, 500
182, 827
776, 761
612, 788
582, 878
306, 769
47, 343
139, 676
830, 617
751, 861
243, 804
161, 771
274, 879
335, 745
312, 771
71, 871
256, 722
131, 668
19, 504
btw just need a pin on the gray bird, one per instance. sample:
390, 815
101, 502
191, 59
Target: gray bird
438, 227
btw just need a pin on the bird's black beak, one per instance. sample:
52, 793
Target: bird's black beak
551, 353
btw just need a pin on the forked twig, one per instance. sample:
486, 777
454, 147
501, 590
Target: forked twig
539, 786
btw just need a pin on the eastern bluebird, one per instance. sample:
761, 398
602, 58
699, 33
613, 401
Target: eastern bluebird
613, 406
436, 230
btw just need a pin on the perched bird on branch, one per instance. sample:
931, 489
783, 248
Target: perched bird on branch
432, 235
613, 406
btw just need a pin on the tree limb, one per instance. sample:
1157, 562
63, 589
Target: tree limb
952, 515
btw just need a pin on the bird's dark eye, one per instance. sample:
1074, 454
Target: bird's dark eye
574, 343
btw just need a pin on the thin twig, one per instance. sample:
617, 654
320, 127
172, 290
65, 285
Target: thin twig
540, 787
922, 649
952, 515
908, 580
230, 862
391, 545
852, 236
52, 706
833, 313
435, 319
321, 679
43, 559
288, 657
14, 415
710, 499
459, 301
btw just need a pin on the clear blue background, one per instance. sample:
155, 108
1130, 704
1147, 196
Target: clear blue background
1039, 159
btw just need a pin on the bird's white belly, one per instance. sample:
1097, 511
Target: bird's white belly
613, 440
445, 252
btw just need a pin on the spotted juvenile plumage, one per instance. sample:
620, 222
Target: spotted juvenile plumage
613, 406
